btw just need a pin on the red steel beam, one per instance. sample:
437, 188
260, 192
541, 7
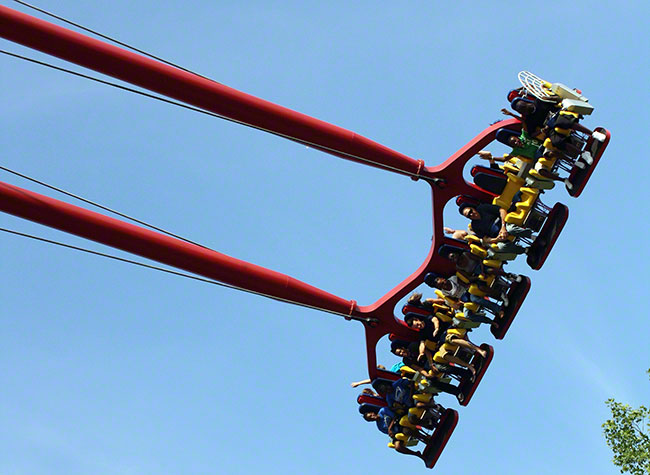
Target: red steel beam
249, 110
200, 92
165, 249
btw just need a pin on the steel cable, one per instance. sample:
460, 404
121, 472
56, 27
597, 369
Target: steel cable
181, 274
218, 116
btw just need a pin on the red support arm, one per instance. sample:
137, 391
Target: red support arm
168, 250
197, 91
249, 110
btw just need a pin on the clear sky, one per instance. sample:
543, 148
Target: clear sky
109, 368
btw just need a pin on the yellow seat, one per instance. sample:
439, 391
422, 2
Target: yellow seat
538, 176
516, 217
488, 279
462, 322
546, 162
445, 348
407, 371
416, 413
409, 442
493, 263
451, 302
404, 422
448, 300
513, 185
440, 308
570, 113
474, 290
478, 250
431, 345
549, 145
528, 195
523, 207
456, 332
421, 397
445, 317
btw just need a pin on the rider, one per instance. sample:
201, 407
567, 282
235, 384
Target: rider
452, 288
488, 223
388, 423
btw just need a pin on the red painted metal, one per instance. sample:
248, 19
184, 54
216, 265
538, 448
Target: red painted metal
452, 171
197, 91
168, 250
162, 248
578, 177
209, 95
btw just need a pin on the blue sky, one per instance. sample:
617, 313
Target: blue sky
108, 368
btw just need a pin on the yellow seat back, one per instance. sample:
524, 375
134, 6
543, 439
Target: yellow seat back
474, 290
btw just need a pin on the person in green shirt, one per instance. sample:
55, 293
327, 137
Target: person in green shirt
523, 145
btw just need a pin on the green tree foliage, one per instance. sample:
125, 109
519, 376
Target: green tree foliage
628, 435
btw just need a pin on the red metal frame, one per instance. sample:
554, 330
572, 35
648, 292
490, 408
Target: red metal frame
575, 172
206, 94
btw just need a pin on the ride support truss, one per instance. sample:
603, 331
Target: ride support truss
446, 180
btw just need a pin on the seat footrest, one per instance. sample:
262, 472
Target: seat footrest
516, 295
541, 247
440, 437
580, 174
468, 388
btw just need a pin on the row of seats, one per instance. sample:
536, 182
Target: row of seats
440, 358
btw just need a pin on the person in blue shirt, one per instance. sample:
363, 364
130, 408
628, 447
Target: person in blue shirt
384, 417
400, 397
388, 423
396, 367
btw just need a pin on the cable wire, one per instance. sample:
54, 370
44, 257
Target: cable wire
218, 116
96, 33
181, 274
133, 48
119, 86
195, 109
105, 208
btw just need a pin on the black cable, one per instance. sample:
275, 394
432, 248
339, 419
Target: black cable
195, 109
119, 86
133, 48
212, 114
72, 195
181, 274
